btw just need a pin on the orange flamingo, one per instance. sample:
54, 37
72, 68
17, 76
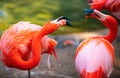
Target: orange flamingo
23, 43
95, 56
111, 5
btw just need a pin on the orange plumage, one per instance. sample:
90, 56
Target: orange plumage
94, 56
23, 43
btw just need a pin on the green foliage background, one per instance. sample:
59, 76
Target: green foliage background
41, 11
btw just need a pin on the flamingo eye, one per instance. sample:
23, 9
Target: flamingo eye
92, 1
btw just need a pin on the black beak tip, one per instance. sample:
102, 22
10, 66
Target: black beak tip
63, 17
88, 11
67, 20
68, 23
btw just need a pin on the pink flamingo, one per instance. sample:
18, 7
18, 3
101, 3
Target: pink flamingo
23, 43
95, 56
111, 5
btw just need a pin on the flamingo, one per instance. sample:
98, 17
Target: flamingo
94, 56
23, 43
111, 5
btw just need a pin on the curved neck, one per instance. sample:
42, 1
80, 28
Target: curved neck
112, 24
36, 48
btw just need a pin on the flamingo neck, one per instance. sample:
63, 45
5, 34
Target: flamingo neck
112, 24
47, 29
36, 43
36, 48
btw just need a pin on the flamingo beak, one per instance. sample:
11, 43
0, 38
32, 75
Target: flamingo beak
88, 12
65, 18
99, 15
94, 13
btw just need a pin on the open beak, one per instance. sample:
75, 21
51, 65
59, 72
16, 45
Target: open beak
65, 18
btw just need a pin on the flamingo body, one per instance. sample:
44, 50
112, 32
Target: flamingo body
19, 37
111, 5
94, 58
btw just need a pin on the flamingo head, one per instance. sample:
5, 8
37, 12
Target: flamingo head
62, 21
97, 4
95, 14
53, 25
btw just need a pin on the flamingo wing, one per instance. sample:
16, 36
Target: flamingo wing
51, 47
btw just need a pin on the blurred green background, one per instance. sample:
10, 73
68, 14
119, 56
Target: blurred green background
41, 11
